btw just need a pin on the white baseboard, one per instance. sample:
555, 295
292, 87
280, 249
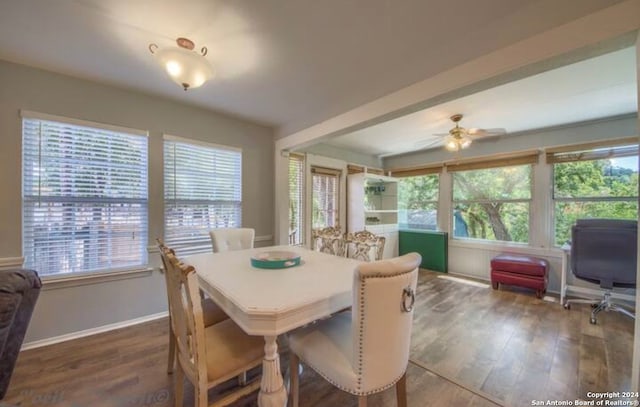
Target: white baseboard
92, 331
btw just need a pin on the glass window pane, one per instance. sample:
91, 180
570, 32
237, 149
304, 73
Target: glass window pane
566, 214
596, 178
505, 221
493, 184
325, 200
418, 202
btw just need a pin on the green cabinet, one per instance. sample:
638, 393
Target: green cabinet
432, 246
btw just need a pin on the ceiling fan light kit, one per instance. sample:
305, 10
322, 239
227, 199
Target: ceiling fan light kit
186, 67
459, 138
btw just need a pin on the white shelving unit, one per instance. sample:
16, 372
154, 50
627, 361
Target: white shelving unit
373, 206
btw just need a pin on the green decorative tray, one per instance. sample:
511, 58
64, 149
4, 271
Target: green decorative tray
275, 260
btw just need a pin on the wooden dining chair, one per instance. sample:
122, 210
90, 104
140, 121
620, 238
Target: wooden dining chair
364, 351
206, 356
364, 246
329, 240
211, 312
227, 239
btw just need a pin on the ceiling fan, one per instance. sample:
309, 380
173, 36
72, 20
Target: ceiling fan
460, 138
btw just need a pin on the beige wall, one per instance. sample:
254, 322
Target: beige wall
65, 310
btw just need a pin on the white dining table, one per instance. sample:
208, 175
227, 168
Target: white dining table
271, 302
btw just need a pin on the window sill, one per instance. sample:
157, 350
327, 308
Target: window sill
57, 282
507, 247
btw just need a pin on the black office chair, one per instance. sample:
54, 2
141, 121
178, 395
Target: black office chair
605, 252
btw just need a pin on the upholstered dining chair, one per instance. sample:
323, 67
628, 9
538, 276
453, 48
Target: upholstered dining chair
364, 246
366, 350
329, 240
211, 312
227, 239
206, 356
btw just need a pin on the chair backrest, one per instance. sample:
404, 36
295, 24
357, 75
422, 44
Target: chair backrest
382, 316
228, 239
185, 309
329, 240
364, 246
605, 251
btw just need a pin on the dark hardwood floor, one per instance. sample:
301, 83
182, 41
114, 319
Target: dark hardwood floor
471, 346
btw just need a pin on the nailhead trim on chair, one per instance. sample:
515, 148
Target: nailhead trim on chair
353, 391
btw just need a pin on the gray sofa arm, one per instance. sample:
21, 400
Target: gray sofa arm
19, 290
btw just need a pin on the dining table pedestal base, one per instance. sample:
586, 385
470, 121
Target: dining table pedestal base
272, 390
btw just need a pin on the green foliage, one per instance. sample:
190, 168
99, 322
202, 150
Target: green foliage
582, 181
417, 192
482, 198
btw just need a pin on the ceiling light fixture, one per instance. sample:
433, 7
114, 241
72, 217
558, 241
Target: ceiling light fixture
185, 66
457, 139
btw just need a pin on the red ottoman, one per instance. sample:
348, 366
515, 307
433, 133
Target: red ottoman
520, 270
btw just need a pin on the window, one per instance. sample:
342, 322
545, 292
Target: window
326, 187
296, 199
84, 196
492, 203
418, 202
202, 191
593, 182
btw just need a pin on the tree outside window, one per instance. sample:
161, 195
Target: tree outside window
492, 204
418, 202
599, 188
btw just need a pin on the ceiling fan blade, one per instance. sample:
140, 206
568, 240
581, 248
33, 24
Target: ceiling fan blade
441, 134
426, 144
486, 132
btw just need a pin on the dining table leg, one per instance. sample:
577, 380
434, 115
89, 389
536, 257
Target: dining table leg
272, 390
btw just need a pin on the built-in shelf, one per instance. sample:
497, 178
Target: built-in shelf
373, 205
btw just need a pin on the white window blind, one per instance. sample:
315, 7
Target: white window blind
326, 187
202, 191
84, 196
296, 199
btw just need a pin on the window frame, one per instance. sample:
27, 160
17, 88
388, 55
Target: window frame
108, 273
581, 153
435, 202
299, 238
327, 172
202, 243
518, 161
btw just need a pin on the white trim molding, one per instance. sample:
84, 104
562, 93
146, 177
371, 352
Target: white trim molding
52, 283
92, 331
7, 263
265, 238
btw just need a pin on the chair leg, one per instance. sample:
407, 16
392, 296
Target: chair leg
401, 391
172, 351
202, 396
242, 379
294, 395
362, 401
178, 392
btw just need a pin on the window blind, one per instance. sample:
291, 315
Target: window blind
326, 187
202, 191
296, 199
84, 197
626, 147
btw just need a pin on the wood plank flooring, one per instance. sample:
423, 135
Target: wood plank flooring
471, 346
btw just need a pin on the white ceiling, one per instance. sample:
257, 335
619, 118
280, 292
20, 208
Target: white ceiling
591, 89
285, 63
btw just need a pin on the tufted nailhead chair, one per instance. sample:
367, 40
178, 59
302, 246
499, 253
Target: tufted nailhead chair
228, 239
366, 350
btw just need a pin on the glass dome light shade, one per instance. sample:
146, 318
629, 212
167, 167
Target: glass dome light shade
465, 141
451, 144
185, 67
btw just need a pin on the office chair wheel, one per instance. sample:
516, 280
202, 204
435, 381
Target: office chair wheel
567, 305
592, 320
